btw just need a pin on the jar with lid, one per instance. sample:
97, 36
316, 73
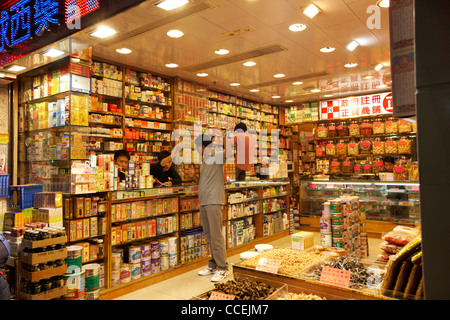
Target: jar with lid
414, 171
378, 146
365, 146
322, 130
391, 125
347, 165
353, 147
404, 126
342, 129
401, 170
341, 148
330, 148
378, 126
366, 127
391, 145
335, 166
377, 165
332, 132
367, 166
357, 166
354, 129
404, 145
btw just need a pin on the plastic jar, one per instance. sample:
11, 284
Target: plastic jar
401, 170
332, 132
366, 127
391, 125
378, 126
347, 165
353, 148
404, 126
404, 145
342, 129
322, 130
341, 148
354, 129
365, 146
378, 146
391, 145
330, 148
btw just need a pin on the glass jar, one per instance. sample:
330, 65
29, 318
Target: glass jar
332, 132
365, 146
335, 166
391, 125
414, 127
378, 126
367, 166
378, 146
366, 127
414, 171
341, 148
330, 148
347, 165
353, 148
404, 145
342, 129
404, 126
401, 172
377, 165
322, 130
354, 128
391, 145
357, 167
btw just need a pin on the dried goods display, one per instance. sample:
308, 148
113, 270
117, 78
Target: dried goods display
391, 145
404, 145
354, 129
353, 148
378, 146
335, 166
292, 261
378, 126
322, 130
330, 148
365, 146
332, 133
414, 171
300, 296
404, 126
347, 165
401, 170
244, 289
366, 128
342, 129
341, 148
391, 125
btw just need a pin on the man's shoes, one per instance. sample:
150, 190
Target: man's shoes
206, 272
219, 275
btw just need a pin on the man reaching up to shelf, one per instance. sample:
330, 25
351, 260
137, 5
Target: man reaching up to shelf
211, 193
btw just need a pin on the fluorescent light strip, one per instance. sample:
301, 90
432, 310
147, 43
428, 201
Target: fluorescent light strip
171, 4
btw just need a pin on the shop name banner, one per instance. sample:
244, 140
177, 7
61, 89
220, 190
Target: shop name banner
360, 106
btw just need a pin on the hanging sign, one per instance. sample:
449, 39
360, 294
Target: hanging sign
358, 106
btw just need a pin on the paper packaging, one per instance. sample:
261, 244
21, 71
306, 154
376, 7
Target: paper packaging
302, 240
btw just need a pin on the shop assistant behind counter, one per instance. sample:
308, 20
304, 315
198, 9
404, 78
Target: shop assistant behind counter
164, 171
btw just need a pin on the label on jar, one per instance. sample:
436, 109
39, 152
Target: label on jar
365, 143
331, 128
321, 128
354, 126
330, 146
365, 125
340, 127
339, 145
389, 143
402, 143
377, 144
334, 164
346, 163
357, 168
379, 163
377, 124
366, 167
352, 145
389, 123
398, 169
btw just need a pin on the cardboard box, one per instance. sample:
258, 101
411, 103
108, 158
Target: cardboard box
42, 257
302, 240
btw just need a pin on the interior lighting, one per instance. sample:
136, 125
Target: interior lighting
379, 66
52, 53
352, 45
311, 10
16, 68
296, 83
350, 65
124, 51
235, 84
171, 65
279, 75
175, 33
171, 4
103, 32
383, 3
202, 74
249, 64
222, 51
297, 27
327, 49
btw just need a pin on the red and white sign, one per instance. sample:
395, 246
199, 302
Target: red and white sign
336, 277
268, 265
360, 106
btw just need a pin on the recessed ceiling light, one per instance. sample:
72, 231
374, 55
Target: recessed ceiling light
368, 77
380, 86
202, 74
328, 95
297, 27
175, 33
379, 66
124, 50
171, 4
296, 83
275, 97
315, 90
289, 101
327, 49
171, 65
254, 90
352, 45
249, 63
235, 84
350, 65
52, 53
279, 75
222, 51
383, 3
16, 68
311, 10
103, 32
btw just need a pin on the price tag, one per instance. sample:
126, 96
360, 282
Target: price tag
216, 295
334, 276
415, 188
269, 265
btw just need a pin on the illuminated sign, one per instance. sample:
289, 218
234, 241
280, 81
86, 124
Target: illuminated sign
76, 9
361, 106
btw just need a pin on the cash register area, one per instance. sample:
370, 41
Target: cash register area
189, 284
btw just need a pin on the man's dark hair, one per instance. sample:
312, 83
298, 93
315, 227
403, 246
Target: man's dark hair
389, 159
163, 154
241, 126
203, 140
121, 153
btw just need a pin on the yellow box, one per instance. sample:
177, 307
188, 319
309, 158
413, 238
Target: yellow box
302, 240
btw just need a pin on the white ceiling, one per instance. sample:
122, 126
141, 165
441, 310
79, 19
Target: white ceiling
340, 22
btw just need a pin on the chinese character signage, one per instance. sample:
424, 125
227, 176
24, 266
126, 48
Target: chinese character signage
358, 106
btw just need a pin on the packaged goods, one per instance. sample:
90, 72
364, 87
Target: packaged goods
404, 126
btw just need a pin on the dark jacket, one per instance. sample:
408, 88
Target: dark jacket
156, 170
4, 250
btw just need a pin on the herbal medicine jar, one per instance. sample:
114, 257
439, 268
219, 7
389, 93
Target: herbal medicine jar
353, 148
378, 146
341, 148
358, 167
366, 127
401, 170
404, 145
347, 165
342, 129
354, 129
391, 145
378, 126
335, 166
330, 148
391, 125
367, 166
365, 146
322, 130
377, 165
332, 132
404, 126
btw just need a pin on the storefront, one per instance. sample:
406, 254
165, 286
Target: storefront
69, 113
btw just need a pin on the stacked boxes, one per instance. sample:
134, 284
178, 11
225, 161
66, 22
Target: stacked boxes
241, 231
193, 246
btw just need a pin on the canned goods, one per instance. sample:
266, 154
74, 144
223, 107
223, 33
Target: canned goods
326, 239
325, 224
337, 220
337, 231
335, 206
326, 210
338, 242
